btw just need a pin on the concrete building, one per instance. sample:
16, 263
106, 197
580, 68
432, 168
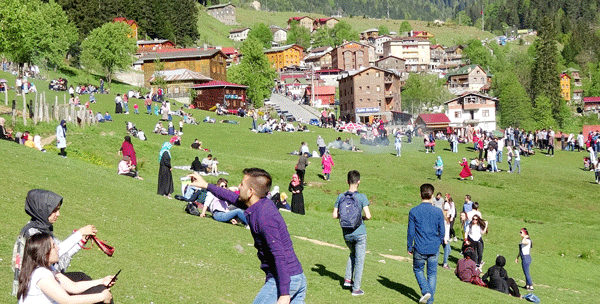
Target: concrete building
324, 22
416, 51
279, 35
303, 21
473, 109
369, 93
565, 87
438, 53
392, 63
239, 34
225, 13
371, 33
350, 56
378, 43
470, 78
283, 56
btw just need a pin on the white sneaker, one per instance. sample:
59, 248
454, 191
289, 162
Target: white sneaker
425, 298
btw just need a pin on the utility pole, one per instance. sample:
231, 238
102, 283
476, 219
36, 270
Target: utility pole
482, 20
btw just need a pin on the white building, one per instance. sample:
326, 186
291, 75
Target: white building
473, 109
379, 45
239, 34
416, 51
279, 35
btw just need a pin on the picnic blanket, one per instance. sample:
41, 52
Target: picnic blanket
189, 168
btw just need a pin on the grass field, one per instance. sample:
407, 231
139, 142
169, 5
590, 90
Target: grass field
168, 256
216, 33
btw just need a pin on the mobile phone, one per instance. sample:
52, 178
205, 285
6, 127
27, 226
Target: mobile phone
114, 279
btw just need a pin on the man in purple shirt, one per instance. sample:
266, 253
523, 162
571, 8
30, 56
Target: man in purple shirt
285, 281
424, 236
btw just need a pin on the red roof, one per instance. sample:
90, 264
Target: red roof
218, 83
229, 50
322, 90
435, 118
298, 18
565, 75
121, 19
591, 99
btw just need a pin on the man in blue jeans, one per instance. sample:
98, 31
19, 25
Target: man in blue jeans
424, 237
356, 239
285, 280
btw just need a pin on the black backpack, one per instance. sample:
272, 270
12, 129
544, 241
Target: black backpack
350, 211
191, 208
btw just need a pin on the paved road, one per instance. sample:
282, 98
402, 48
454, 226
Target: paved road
299, 111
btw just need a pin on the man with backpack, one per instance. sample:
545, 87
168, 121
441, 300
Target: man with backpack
424, 236
349, 208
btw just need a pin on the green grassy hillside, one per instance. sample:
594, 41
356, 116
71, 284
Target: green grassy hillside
216, 33
168, 256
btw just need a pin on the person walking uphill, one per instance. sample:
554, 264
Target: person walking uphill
285, 280
61, 137
327, 163
349, 208
424, 236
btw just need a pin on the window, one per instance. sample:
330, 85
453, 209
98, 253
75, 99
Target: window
378, 88
485, 113
457, 114
377, 75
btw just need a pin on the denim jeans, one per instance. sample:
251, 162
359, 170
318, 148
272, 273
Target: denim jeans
269, 293
447, 250
494, 166
227, 216
126, 107
499, 156
189, 191
427, 285
525, 263
356, 260
149, 109
455, 147
517, 165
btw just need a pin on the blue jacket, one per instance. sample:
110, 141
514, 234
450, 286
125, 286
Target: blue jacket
425, 229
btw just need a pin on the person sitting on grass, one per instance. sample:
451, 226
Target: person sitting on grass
159, 129
497, 278
213, 166
107, 117
466, 269
99, 117
126, 168
220, 209
39, 281
198, 145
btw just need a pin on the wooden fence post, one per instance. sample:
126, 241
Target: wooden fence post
24, 109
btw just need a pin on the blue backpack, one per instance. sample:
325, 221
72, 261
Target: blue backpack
350, 211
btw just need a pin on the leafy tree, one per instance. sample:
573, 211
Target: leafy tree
404, 27
262, 32
108, 48
34, 32
514, 106
254, 71
383, 30
322, 37
342, 31
423, 90
477, 53
592, 87
298, 35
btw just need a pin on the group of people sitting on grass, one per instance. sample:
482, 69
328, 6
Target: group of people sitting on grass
272, 124
208, 165
25, 138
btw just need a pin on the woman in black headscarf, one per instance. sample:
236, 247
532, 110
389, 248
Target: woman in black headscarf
44, 208
196, 165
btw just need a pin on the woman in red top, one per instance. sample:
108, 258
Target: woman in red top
127, 150
466, 171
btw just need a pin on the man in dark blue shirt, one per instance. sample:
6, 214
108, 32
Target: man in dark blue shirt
285, 280
424, 237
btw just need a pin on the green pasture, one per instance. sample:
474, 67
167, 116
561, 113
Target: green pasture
168, 256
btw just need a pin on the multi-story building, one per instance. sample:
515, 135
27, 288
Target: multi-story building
368, 34
453, 58
351, 56
240, 34
470, 78
392, 63
324, 22
438, 54
279, 35
319, 57
378, 43
210, 63
577, 94
225, 13
416, 51
303, 21
565, 87
284, 56
369, 93
473, 109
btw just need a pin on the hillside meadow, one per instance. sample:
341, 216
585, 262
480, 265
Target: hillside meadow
168, 256
216, 33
